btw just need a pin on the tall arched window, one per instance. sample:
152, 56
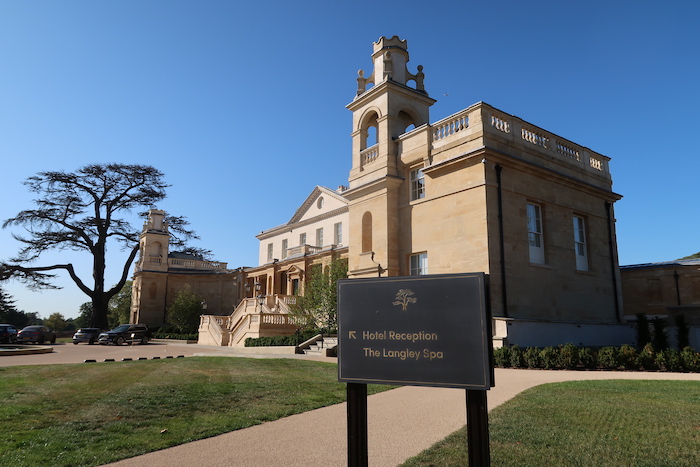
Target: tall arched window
367, 232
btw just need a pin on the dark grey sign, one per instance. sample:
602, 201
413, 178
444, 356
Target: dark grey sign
422, 330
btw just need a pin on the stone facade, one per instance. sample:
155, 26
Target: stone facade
160, 274
663, 289
480, 190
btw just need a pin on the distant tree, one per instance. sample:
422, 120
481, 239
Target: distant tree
185, 311
83, 320
56, 322
318, 306
695, 256
9, 313
80, 211
120, 306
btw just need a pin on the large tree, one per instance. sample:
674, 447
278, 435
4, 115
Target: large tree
83, 211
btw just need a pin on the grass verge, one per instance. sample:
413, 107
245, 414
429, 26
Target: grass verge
588, 423
91, 414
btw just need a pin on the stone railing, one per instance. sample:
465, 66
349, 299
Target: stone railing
554, 146
369, 155
212, 330
180, 263
450, 125
302, 250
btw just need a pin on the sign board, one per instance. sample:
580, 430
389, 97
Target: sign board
418, 330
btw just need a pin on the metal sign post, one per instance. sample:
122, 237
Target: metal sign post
422, 331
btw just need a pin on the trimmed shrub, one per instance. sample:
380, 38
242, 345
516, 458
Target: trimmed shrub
568, 357
516, 357
549, 358
178, 336
588, 358
690, 359
673, 360
501, 357
294, 339
628, 358
608, 358
647, 358
531, 356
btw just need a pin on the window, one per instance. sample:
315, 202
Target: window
302, 239
319, 237
319, 203
417, 184
269, 252
580, 244
534, 233
285, 245
419, 264
338, 234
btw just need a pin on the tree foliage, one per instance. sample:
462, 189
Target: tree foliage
81, 211
56, 322
120, 306
318, 307
185, 311
9, 314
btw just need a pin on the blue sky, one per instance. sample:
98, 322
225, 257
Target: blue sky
228, 97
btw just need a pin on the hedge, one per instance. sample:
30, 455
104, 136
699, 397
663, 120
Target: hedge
570, 357
294, 339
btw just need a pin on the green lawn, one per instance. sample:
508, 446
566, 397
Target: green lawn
90, 414
591, 423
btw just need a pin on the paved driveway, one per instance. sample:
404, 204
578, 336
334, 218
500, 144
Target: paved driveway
70, 353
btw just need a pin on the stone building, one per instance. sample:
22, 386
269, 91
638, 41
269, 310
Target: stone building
483, 190
477, 191
160, 274
664, 290
313, 237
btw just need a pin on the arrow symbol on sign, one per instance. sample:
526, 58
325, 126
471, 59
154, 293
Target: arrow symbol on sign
351, 335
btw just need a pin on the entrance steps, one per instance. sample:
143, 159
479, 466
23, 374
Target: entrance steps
320, 346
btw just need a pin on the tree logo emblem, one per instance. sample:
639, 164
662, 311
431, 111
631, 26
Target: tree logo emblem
403, 298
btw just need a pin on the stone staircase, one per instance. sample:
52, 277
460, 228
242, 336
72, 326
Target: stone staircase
321, 346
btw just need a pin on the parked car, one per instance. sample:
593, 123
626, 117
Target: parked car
37, 334
89, 335
126, 333
8, 334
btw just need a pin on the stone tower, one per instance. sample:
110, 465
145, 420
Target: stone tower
154, 241
385, 107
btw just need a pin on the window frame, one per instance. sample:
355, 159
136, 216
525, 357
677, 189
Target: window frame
418, 264
285, 247
319, 237
338, 233
302, 239
535, 233
580, 243
270, 252
416, 179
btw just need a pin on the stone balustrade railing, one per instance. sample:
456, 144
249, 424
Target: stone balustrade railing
369, 155
180, 263
450, 125
302, 250
491, 120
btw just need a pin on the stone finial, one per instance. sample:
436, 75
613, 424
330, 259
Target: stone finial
361, 82
419, 77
